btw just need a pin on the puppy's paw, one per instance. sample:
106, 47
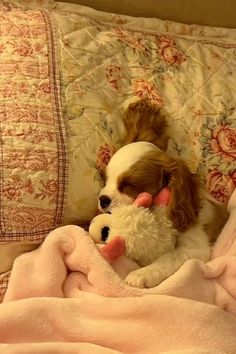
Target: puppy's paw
144, 278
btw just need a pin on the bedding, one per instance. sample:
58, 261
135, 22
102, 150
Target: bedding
67, 73
72, 295
33, 136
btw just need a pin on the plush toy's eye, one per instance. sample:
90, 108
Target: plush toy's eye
105, 233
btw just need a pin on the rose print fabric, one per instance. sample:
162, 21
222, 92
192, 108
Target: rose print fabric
219, 151
33, 158
33, 151
109, 61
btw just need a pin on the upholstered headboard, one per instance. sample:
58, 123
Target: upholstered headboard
220, 13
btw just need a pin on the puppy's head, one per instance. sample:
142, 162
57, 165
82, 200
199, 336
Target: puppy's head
142, 167
128, 174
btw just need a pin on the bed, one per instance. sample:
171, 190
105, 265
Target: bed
67, 74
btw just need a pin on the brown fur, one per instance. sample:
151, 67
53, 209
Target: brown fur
185, 199
144, 176
157, 170
221, 215
145, 122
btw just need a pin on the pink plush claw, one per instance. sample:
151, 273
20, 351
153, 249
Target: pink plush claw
143, 199
162, 199
146, 200
114, 249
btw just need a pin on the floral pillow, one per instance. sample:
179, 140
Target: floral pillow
219, 151
33, 154
109, 61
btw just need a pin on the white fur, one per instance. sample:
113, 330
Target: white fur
121, 162
147, 235
193, 243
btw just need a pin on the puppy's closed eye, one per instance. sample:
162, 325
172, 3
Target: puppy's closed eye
143, 176
132, 186
129, 189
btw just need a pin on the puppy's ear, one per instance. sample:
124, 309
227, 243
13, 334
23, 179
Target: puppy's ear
185, 200
145, 122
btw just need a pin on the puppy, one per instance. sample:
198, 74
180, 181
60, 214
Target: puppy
143, 165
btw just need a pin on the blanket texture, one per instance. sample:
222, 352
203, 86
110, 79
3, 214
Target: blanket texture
66, 298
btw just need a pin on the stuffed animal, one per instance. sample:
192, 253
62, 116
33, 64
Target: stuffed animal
147, 234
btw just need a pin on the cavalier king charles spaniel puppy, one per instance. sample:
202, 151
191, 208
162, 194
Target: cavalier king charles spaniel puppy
143, 165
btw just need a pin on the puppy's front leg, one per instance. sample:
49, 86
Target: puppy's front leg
192, 244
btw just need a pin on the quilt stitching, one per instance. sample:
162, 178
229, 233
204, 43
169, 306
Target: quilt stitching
33, 136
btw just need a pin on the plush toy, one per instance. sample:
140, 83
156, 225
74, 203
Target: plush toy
135, 229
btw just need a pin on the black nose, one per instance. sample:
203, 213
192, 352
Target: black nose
104, 201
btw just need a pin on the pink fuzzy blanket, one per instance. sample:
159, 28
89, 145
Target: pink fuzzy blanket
65, 298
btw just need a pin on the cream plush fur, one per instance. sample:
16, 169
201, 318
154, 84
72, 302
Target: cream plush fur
147, 235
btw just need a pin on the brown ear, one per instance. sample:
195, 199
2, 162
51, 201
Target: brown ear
145, 122
185, 201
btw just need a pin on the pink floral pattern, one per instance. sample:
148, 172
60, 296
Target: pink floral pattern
32, 150
32, 159
34, 70
15, 187
145, 89
14, 90
219, 150
104, 155
135, 40
178, 67
114, 75
223, 142
144, 43
48, 191
34, 135
25, 113
220, 186
24, 48
30, 219
169, 51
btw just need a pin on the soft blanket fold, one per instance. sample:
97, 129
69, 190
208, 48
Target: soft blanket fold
67, 292
149, 324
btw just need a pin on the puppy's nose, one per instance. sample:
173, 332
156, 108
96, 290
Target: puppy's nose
104, 201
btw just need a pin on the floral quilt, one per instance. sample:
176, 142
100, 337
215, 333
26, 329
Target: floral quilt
108, 60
